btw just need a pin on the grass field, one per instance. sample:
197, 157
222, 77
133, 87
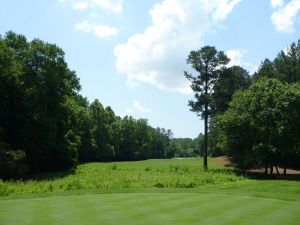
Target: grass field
164, 173
128, 193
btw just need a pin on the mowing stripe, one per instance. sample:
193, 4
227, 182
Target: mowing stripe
149, 208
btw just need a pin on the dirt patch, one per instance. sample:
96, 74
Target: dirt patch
227, 161
224, 160
280, 170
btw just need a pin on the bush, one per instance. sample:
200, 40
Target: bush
12, 164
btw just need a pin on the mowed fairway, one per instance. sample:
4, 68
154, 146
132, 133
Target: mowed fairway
149, 192
149, 208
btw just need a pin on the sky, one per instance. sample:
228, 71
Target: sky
131, 54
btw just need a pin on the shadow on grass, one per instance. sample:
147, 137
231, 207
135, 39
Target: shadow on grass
261, 176
53, 175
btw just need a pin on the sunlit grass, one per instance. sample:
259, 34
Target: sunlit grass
170, 173
150, 208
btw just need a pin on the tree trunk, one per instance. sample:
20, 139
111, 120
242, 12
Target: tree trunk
205, 167
271, 169
205, 140
284, 170
277, 170
266, 169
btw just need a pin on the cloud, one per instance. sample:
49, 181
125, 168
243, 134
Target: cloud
224, 8
237, 59
137, 107
277, 3
129, 110
235, 56
78, 6
285, 15
101, 31
157, 56
115, 6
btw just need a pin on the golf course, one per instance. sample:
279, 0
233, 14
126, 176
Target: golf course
158, 112
170, 191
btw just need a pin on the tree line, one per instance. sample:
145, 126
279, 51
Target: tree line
187, 147
253, 119
45, 124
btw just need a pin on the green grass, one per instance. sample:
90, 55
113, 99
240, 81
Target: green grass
150, 208
128, 193
171, 173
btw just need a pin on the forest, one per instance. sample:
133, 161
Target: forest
47, 125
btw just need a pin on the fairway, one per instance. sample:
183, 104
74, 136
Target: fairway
149, 208
127, 193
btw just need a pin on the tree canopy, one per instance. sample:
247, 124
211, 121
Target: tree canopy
45, 124
261, 126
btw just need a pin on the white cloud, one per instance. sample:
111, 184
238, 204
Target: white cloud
285, 15
101, 31
79, 6
158, 55
115, 6
137, 107
224, 8
237, 59
129, 110
235, 56
94, 15
277, 3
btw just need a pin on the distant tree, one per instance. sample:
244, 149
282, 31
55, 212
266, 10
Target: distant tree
229, 81
187, 147
209, 63
160, 149
266, 69
128, 140
287, 64
102, 121
198, 144
285, 67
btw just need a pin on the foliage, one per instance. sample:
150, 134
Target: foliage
12, 164
187, 147
44, 116
208, 63
285, 67
261, 126
166, 173
229, 81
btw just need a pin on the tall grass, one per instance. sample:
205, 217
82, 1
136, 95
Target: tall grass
175, 173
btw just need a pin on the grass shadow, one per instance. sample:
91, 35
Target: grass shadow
261, 176
53, 175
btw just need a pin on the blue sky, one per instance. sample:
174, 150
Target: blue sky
130, 54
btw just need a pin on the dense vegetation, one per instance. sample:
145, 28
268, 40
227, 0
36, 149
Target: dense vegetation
187, 147
45, 124
255, 120
153, 173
